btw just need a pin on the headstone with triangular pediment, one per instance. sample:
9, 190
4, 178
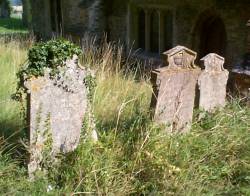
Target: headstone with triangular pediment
174, 90
213, 82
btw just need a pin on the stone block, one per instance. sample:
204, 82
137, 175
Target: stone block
174, 90
213, 83
56, 110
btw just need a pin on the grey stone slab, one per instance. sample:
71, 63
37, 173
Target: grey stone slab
213, 83
57, 108
175, 89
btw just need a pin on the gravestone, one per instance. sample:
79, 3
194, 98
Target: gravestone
213, 83
57, 108
174, 90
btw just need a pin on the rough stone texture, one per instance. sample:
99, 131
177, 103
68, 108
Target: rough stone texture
213, 83
112, 17
174, 90
57, 108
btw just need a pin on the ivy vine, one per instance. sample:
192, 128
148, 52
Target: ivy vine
52, 54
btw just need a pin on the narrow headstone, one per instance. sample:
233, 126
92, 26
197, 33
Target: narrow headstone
213, 82
57, 108
174, 90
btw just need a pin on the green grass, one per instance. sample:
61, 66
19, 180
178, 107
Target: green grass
12, 56
134, 155
12, 25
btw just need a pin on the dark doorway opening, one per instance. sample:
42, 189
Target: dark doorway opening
56, 15
209, 35
213, 37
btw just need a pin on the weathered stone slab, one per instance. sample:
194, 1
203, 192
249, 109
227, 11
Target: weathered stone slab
57, 107
213, 82
174, 90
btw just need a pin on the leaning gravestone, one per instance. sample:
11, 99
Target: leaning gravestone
213, 82
174, 89
57, 107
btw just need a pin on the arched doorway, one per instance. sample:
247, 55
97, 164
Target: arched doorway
210, 35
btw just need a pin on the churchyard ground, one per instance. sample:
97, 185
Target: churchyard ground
133, 155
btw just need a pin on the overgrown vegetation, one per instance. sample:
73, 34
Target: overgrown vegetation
48, 55
42, 57
133, 156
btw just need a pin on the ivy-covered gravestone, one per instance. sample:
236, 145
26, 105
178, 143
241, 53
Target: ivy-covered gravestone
58, 95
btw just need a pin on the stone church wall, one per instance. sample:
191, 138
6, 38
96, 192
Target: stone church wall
115, 19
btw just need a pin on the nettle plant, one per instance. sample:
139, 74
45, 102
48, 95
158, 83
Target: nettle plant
52, 56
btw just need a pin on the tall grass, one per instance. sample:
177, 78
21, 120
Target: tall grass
12, 56
133, 156
122, 87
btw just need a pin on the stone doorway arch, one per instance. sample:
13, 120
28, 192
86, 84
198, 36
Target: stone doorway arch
209, 34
